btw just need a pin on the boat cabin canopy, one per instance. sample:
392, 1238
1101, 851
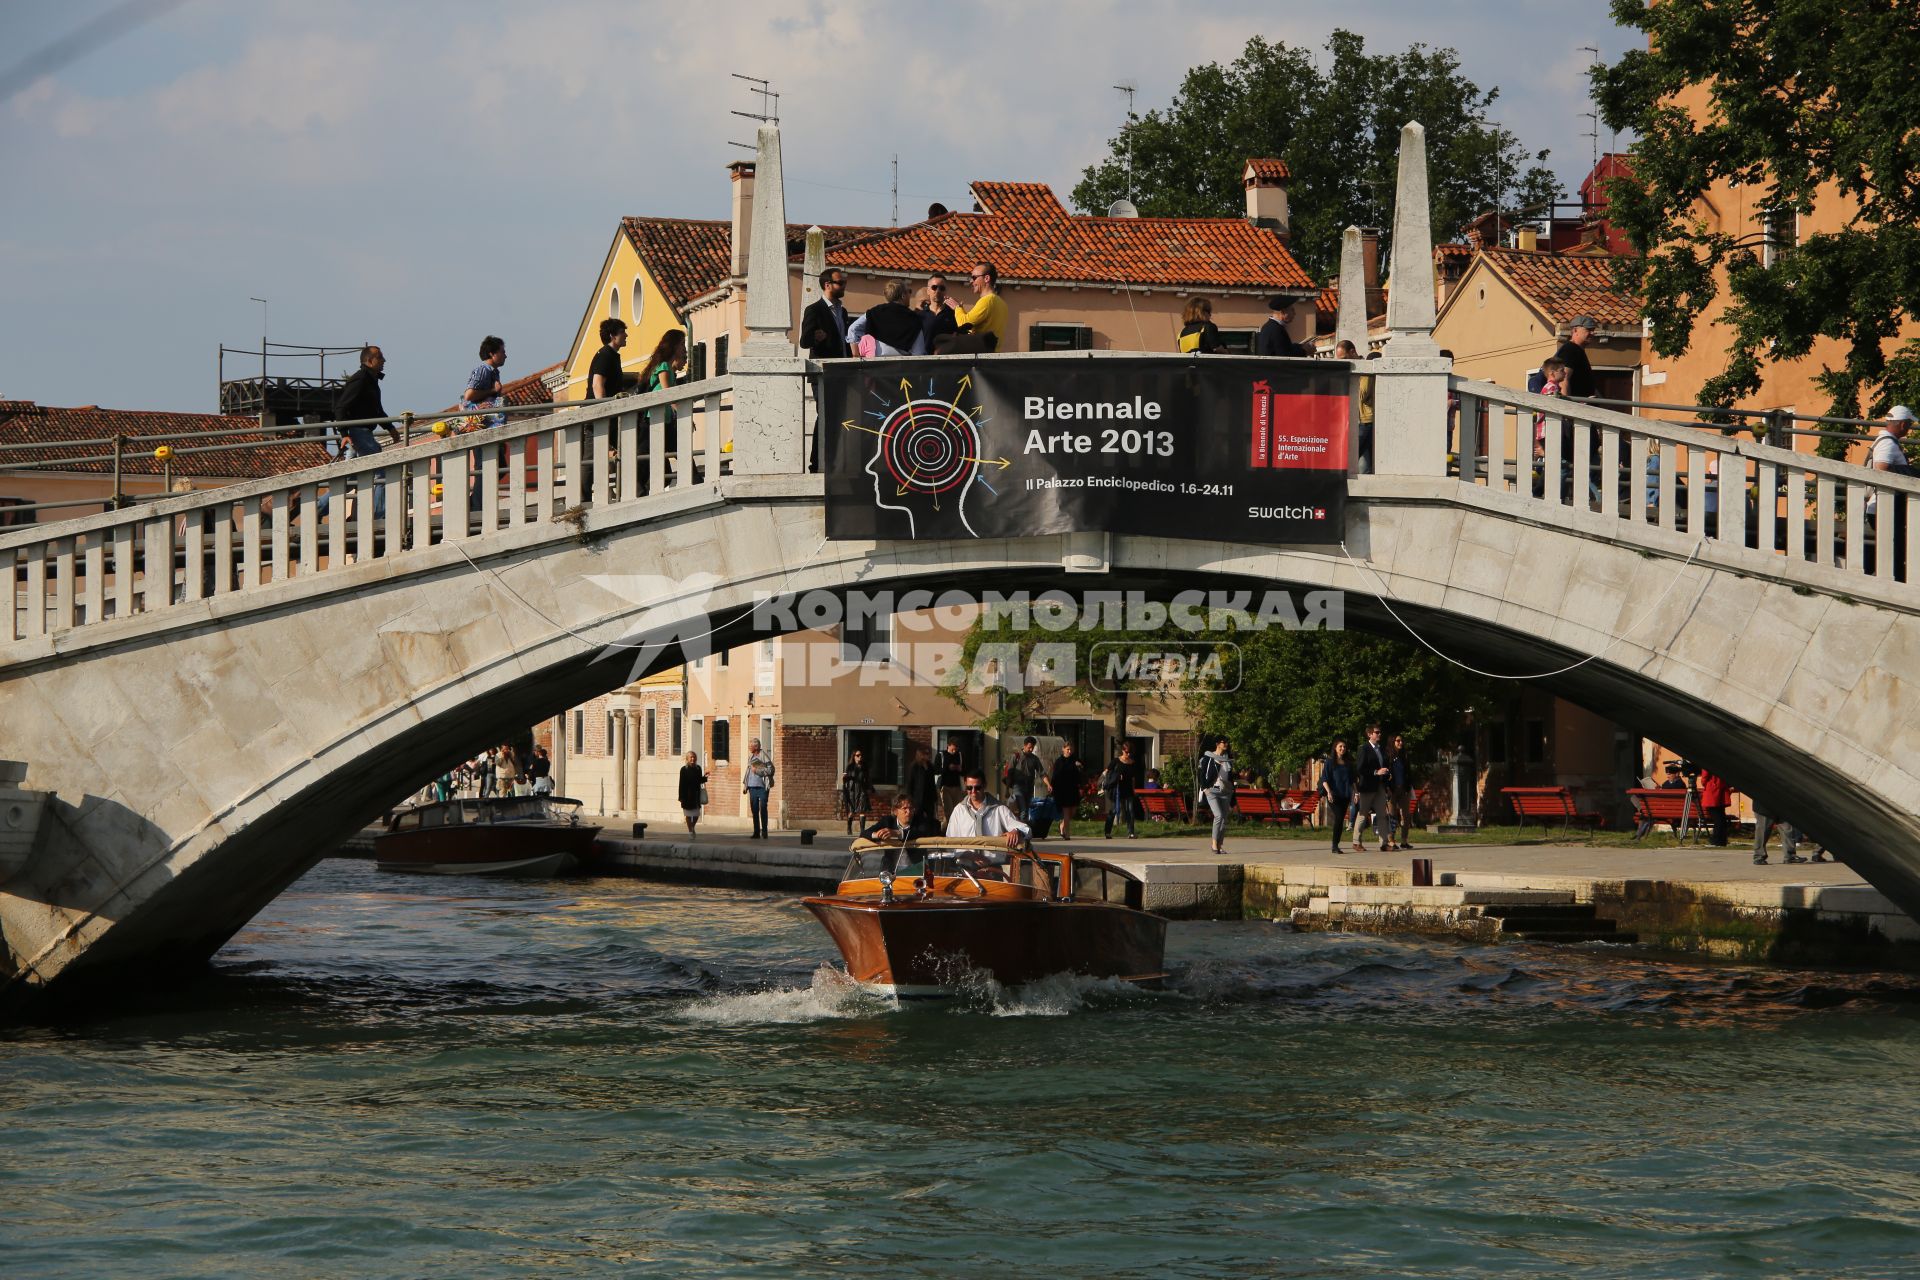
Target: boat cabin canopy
1054, 874
486, 811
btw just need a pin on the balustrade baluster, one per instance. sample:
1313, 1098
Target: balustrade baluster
600, 460
1698, 500
520, 454
455, 520
1669, 478
683, 448
94, 587
1855, 534
1555, 465
549, 463
422, 487
1609, 473
63, 593
223, 549
490, 487
656, 450
572, 491
627, 440
1883, 552
37, 590
1823, 521
1466, 436
282, 533
309, 528
1796, 514
1766, 505
1733, 498
249, 543
710, 421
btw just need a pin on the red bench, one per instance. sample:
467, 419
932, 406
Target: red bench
1163, 805
1546, 804
1663, 804
1264, 806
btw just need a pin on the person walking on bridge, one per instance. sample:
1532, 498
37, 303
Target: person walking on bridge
359, 398
987, 317
1274, 338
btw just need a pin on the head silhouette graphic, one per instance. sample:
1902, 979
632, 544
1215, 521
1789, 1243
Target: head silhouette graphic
926, 458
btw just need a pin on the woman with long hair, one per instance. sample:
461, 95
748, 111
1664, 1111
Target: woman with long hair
664, 368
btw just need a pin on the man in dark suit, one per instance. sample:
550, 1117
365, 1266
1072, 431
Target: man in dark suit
1372, 774
1273, 338
823, 326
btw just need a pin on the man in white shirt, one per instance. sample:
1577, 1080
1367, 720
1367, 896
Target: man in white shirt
980, 815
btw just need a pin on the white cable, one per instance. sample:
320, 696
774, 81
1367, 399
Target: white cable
1495, 675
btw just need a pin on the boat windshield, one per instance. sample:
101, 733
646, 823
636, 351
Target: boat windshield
905, 863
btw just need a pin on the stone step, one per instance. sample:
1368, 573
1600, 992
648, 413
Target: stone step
1534, 924
1559, 911
1571, 935
1446, 896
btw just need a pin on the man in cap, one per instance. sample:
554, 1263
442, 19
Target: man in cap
1886, 454
1273, 338
1573, 354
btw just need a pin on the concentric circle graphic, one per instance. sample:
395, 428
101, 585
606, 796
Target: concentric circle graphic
929, 446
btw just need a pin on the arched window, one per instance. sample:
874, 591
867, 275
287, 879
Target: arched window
637, 300
613, 303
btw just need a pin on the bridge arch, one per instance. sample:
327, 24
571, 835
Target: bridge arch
206, 757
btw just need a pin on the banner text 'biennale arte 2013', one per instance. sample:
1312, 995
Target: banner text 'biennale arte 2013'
1232, 450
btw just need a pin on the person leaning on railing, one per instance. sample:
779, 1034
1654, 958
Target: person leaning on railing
357, 399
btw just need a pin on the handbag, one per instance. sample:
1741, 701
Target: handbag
703, 797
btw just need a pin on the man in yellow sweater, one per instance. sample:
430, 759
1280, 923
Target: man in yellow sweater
987, 317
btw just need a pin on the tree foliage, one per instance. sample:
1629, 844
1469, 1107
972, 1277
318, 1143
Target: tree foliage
1338, 129
1301, 689
1795, 100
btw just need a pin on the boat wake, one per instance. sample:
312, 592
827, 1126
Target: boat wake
831, 993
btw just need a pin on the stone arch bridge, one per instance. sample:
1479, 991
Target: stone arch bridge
210, 691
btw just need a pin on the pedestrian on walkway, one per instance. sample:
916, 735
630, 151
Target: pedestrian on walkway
693, 792
540, 772
823, 325
1068, 781
856, 791
483, 389
357, 399
1369, 790
604, 375
1199, 335
1274, 339
953, 768
1399, 793
923, 788
665, 364
1214, 777
1336, 785
1715, 798
1117, 783
1022, 776
507, 771
758, 786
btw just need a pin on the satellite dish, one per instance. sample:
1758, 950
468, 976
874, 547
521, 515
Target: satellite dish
1122, 209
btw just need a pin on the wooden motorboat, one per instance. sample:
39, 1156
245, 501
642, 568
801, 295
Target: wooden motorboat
495, 836
918, 919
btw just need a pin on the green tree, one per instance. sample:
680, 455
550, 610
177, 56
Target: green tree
1338, 129
1794, 99
1301, 689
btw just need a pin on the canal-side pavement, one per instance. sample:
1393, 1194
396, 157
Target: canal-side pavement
1659, 895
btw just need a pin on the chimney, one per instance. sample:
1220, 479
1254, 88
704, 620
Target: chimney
741, 172
1370, 273
1526, 239
1266, 182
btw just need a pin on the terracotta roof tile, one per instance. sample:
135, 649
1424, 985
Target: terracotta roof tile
1268, 168
1565, 285
1327, 301
1028, 236
55, 427
693, 256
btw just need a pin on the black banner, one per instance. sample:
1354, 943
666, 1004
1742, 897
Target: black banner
1236, 450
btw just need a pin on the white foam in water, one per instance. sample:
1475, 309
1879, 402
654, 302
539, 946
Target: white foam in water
1053, 997
830, 994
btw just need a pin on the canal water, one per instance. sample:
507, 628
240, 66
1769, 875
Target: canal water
406, 1076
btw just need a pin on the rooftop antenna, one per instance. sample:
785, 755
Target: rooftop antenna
896, 188
769, 112
1593, 116
1127, 87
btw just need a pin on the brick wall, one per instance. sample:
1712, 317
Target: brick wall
809, 773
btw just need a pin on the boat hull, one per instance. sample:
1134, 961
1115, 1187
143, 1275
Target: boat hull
927, 947
509, 849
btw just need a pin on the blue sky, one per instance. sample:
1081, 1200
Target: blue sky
423, 173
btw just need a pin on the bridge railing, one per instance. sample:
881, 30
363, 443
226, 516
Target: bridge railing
1565, 455
175, 551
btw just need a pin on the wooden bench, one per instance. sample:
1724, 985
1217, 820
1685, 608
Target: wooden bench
1663, 804
1547, 803
1163, 805
1264, 806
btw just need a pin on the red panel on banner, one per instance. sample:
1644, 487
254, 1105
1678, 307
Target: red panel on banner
1262, 425
1309, 432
